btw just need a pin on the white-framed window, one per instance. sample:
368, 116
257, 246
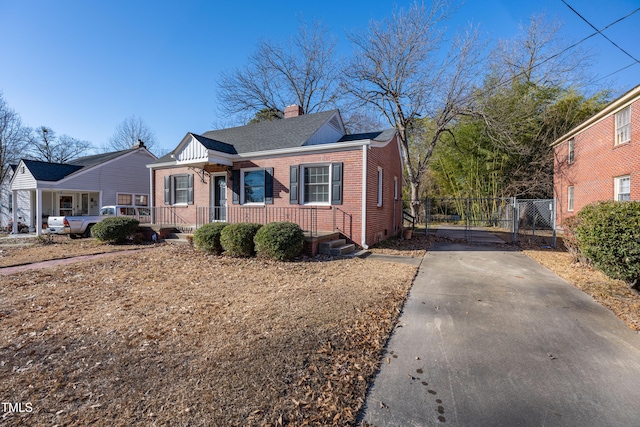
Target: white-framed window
570, 198
623, 125
253, 185
622, 188
571, 156
125, 199
180, 189
142, 200
395, 188
316, 181
380, 173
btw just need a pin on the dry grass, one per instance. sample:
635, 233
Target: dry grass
29, 250
172, 336
415, 247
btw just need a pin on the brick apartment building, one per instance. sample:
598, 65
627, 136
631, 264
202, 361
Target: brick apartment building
600, 158
303, 168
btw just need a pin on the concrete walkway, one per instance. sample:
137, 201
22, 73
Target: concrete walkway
488, 337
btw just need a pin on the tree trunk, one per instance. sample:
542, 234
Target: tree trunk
415, 198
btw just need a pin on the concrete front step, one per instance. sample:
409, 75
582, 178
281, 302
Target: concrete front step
336, 247
177, 238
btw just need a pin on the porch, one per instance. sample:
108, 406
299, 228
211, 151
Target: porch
34, 206
319, 223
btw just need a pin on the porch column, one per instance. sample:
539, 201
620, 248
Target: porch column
38, 212
14, 194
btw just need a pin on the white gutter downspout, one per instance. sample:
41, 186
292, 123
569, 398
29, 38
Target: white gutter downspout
152, 198
363, 220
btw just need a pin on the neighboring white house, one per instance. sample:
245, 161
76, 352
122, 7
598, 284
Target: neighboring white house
6, 200
79, 187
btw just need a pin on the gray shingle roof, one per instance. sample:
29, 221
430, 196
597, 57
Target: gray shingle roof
44, 171
212, 144
96, 159
382, 136
272, 135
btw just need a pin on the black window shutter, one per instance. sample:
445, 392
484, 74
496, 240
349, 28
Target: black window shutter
268, 186
235, 181
294, 188
167, 190
190, 190
336, 184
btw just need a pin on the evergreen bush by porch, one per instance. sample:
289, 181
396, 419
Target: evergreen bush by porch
279, 240
237, 239
609, 237
116, 230
207, 237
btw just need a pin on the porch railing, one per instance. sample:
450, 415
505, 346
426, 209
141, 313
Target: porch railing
168, 216
305, 217
343, 222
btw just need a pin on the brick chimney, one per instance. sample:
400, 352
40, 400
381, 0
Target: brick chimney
293, 111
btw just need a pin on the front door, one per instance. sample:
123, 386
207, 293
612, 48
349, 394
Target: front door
219, 198
66, 205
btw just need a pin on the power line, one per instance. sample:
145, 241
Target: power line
600, 31
597, 31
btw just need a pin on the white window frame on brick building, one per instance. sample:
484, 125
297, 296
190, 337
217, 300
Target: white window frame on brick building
623, 125
315, 185
178, 189
570, 198
622, 188
380, 178
572, 151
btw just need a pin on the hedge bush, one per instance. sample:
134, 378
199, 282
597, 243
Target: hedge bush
279, 240
115, 230
207, 237
237, 239
609, 237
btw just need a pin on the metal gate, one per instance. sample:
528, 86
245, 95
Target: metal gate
517, 216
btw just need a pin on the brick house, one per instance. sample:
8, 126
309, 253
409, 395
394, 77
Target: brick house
303, 168
600, 158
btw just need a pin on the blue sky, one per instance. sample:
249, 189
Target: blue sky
81, 67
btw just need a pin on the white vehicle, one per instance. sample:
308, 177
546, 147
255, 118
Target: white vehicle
76, 226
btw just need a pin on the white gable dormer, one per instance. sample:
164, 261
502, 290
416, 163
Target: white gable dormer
192, 152
22, 178
331, 131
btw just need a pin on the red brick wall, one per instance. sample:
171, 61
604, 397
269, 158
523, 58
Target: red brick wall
381, 221
200, 192
597, 162
351, 187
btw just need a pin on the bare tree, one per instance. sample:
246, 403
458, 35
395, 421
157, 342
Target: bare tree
46, 146
13, 138
128, 133
399, 67
302, 72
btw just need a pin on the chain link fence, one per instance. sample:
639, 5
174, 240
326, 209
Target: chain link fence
534, 217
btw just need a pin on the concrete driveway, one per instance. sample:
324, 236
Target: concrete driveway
488, 337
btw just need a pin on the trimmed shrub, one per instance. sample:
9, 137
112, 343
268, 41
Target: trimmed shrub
279, 240
609, 237
115, 230
237, 239
207, 237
